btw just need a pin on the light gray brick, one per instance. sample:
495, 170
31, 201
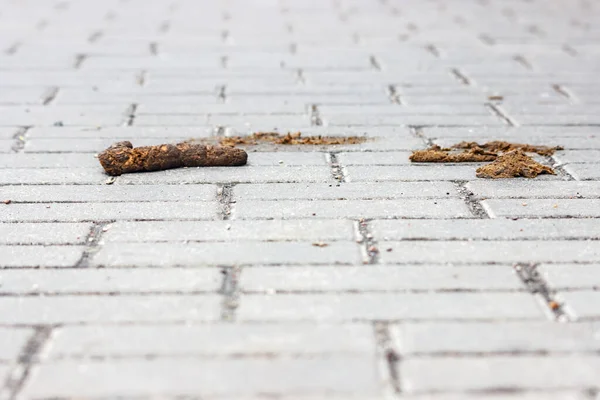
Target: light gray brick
86, 145
258, 174
76, 212
209, 231
280, 158
289, 209
484, 229
134, 133
109, 193
24, 233
569, 276
578, 156
188, 377
110, 281
583, 303
490, 337
375, 158
584, 143
583, 172
540, 208
378, 278
51, 176
12, 342
333, 191
42, 160
536, 189
211, 340
170, 120
261, 108
510, 133
404, 111
109, 309
199, 254
407, 120
410, 173
39, 256
386, 306
490, 252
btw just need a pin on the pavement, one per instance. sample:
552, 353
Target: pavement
312, 273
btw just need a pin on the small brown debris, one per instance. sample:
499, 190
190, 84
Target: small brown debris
496, 97
437, 154
289, 139
513, 164
320, 244
554, 305
499, 146
7, 201
122, 157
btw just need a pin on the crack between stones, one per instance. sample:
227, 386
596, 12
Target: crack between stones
95, 36
230, 291
20, 139
79, 59
131, 114
519, 58
388, 355
92, 243
225, 199
495, 110
471, 201
20, 372
537, 285
393, 95
337, 170
368, 242
458, 74
315, 116
50, 95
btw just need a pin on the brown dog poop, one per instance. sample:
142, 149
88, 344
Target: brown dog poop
122, 157
437, 154
513, 164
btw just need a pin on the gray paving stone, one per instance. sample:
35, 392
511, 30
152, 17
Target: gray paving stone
578, 156
447, 120
451, 374
279, 158
241, 253
384, 306
481, 338
110, 281
378, 278
490, 252
542, 208
516, 133
583, 172
248, 174
12, 342
133, 133
398, 110
484, 229
79, 212
109, 193
51, 176
221, 109
109, 309
568, 143
209, 231
171, 377
212, 340
345, 190
24, 233
356, 209
410, 173
583, 303
375, 158
39, 256
568, 276
86, 145
52, 160
534, 189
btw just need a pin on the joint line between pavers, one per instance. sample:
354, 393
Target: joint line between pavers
95, 36
337, 170
562, 91
389, 356
20, 372
231, 292
140, 78
12, 49
487, 39
164, 27
375, 64
225, 199
92, 243
458, 74
432, 49
521, 60
20, 138
417, 131
560, 168
569, 50
315, 116
537, 285
222, 93
153, 48
50, 95
393, 94
368, 241
497, 111
79, 59
300, 76
474, 205
130, 114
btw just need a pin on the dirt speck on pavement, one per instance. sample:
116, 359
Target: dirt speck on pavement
511, 165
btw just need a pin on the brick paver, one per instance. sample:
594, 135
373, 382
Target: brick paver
311, 273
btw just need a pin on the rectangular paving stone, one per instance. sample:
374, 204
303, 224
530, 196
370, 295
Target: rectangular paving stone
402, 110
109, 309
86, 145
133, 133
583, 172
212, 340
569, 143
533, 189
51, 160
578, 156
12, 343
51, 176
39, 256
81, 212
502, 372
345, 190
110, 281
248, 174
24, 233
356, 209
410, 173
239, 253
509, 133
583, 303
109, 193
287, 158
492, 337
214, 231
375, 158
570, 276
388, 306
542, 208
193, 377
483, 229
507, 252
378, 278
385, 120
